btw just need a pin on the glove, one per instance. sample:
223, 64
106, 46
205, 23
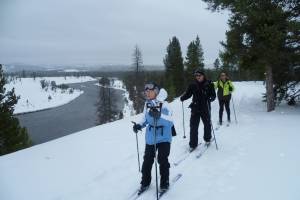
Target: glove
230, 89
136, 128
154, 113
181, 99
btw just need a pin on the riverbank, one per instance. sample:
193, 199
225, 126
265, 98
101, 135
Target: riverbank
35, 98
79, 114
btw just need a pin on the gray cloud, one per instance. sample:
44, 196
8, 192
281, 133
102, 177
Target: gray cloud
98, 31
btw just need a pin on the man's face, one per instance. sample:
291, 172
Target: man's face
150, 94
199, 77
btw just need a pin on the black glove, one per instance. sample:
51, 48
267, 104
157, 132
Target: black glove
181, 99
173, 131
137, 127
154, 113
230, 89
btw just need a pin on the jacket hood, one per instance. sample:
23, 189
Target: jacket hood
162, 95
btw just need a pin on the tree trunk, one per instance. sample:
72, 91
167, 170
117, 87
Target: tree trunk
270, 89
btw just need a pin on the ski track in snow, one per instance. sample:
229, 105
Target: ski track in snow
257, 159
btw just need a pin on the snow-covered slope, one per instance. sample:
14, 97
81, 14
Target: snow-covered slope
257, 159
34, 98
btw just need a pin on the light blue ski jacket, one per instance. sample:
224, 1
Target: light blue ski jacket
164, 123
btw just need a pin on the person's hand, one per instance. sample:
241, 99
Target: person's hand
181, 99
154, 113
136, 128
230, 89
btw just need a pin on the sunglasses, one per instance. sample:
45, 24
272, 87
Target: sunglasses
198, 75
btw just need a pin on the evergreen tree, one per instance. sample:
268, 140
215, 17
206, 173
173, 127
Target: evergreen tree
137, 59
200, 53
174, 68
192, 61
137, 80
12, 136
217, 64
106, 107
194, 58
264, 37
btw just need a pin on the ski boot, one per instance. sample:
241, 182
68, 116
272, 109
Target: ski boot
142, 189
164, 186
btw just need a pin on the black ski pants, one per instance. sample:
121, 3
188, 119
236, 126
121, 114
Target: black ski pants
222, 103
194, 125
162, 158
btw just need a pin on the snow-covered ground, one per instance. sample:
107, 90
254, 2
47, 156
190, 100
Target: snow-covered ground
34, 98
258, 158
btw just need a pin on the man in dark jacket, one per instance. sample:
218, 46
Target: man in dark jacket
203, 93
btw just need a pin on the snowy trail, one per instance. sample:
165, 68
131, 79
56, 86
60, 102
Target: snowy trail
257, 159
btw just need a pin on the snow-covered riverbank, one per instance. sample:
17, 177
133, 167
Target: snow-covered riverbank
34, 98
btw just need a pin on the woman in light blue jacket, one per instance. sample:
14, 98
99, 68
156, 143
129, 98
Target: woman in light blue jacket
156, 108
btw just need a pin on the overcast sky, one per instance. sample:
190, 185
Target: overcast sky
104, 32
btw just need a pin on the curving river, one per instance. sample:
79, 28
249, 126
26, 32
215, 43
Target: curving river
84, 112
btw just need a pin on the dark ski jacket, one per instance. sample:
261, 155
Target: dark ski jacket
203, 93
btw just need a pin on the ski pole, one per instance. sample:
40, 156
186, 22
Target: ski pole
183, 120
155, 148
137, 148
211, 125
234, 110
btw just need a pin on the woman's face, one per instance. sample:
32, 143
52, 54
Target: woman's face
223, 76
150, 94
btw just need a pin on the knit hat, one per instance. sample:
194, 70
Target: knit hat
199, 72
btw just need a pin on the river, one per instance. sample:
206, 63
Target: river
81, 113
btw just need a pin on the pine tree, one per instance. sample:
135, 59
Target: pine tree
217, 64
194, 58
138, 80
174, 68
192, 61
12, 136
200, 53
263, 37
137, 59
106, 107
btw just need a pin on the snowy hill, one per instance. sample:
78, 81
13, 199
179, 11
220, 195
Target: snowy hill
257, 159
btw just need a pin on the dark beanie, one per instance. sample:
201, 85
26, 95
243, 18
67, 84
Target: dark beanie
199, 71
